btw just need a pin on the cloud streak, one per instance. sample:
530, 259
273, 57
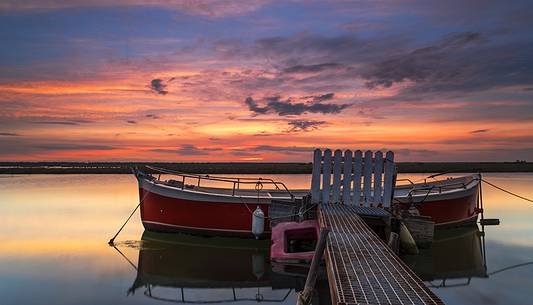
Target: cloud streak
72, 147
275, 104
9, 134
66, 122
479, 131
187, 150
304, 125
210, 8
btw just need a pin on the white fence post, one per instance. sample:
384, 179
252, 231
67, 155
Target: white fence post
326, 179
389, 175
367, 180
347, 177
315, 179
378, 168
337, 166
357, 172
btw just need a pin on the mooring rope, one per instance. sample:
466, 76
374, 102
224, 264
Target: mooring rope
111, 242
506, 191
510, 267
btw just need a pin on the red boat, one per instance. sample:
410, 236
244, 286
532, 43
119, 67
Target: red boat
176, 206
449, 202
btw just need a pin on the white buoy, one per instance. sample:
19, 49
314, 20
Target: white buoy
258, 222
407, 243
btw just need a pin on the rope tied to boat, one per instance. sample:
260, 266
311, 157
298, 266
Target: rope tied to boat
111, 242
504, 190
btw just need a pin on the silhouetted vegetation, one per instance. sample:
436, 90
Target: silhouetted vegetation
244, 167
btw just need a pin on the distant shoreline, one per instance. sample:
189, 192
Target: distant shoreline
245, 167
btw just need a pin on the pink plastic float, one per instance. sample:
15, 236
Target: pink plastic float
286, 233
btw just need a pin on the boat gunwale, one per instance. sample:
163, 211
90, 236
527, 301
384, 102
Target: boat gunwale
153, 184
471, 182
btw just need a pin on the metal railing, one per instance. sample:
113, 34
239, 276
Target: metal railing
235, 181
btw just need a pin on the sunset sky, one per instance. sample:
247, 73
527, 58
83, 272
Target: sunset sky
259, 80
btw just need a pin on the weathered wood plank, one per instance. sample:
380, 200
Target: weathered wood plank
367, 180
357, 172
378, 169
347, 177
388, 179
337, 166
315, 179
326, 176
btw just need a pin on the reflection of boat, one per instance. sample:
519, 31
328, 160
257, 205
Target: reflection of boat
448, 202
204, 270
456, 254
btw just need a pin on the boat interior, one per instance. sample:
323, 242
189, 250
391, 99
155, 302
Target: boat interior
268, 188
409, 188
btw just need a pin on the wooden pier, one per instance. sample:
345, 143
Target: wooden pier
361, 268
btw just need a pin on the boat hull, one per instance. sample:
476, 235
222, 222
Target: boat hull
167, 208
458, 207
164, 210
452, 212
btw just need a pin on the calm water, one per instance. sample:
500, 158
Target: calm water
53, 250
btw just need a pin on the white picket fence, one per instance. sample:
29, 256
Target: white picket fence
359, 180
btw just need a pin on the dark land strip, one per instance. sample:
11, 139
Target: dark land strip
245, 167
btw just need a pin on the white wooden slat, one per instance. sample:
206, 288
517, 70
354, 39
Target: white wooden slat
357, 172
367, 180
326, 176
378, 169
388, 179
347, 177
337, 166
315, 179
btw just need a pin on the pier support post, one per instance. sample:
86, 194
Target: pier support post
305, 296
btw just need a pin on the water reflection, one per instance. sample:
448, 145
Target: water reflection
455, 257
54, 250
190, 269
